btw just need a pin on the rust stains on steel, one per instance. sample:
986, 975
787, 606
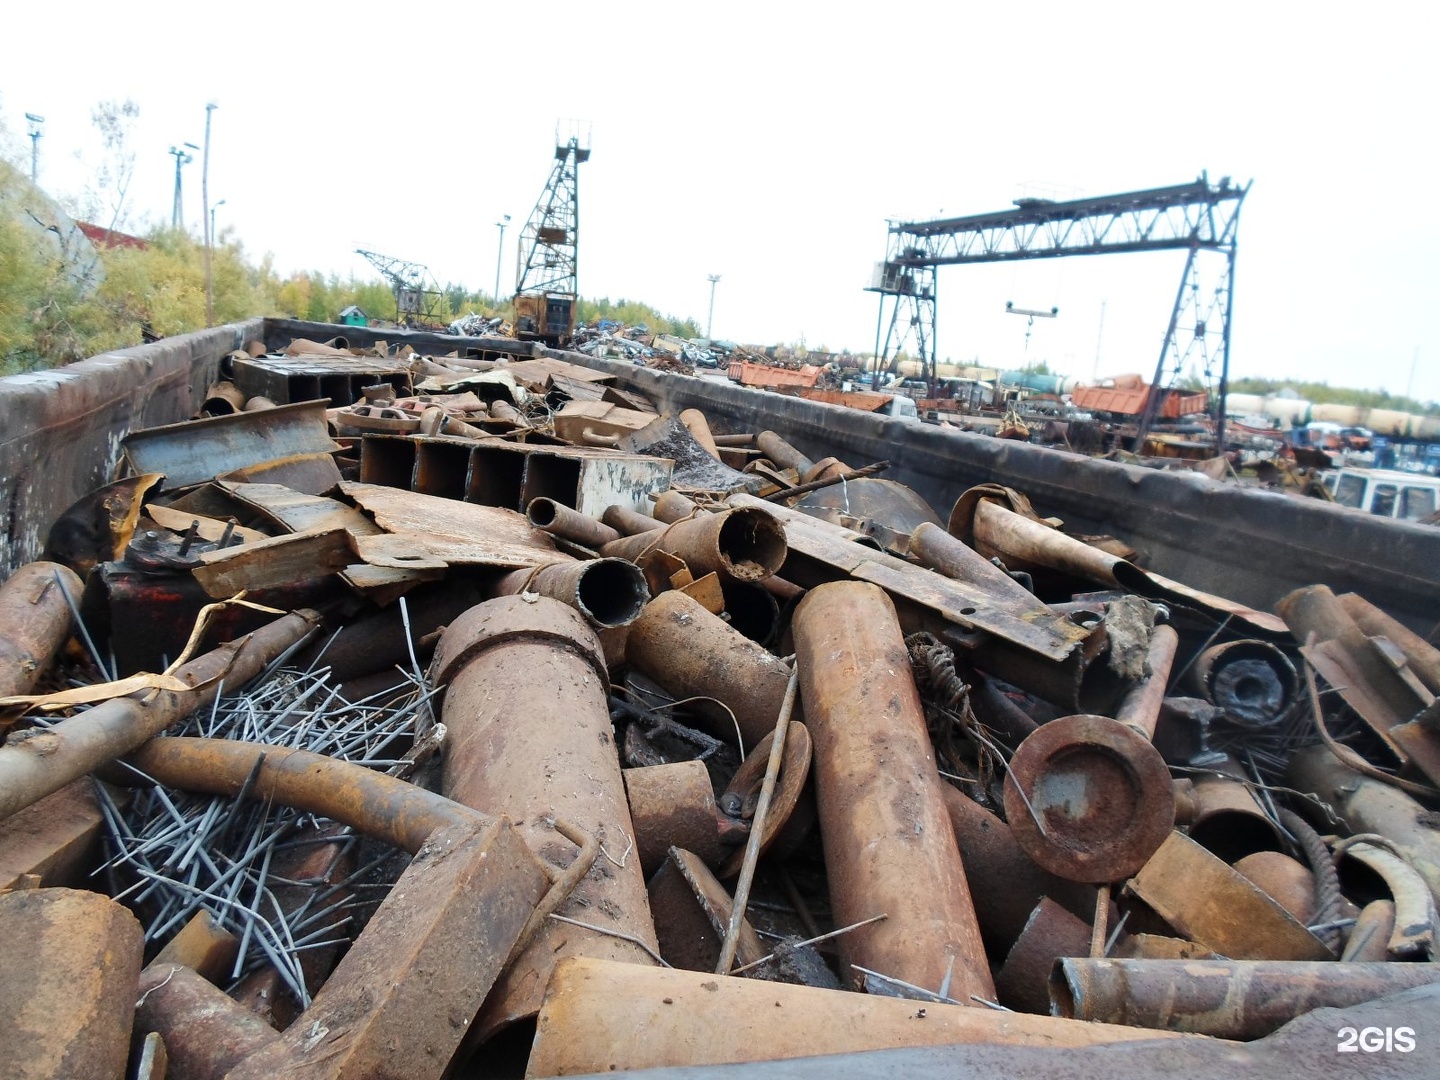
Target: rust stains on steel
745, 544
34, 623
526, 706
44, 760
1229, 999
888, 840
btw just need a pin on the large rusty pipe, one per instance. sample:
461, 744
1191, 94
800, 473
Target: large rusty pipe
888, 842
699, 428
745, 544
608, 592
692, 653
35, 762
206, 1031
529, 736
557, 519
1005, 883
601, 1017
1018, 539
1251, 680
70, 959
932, 546
1023, 981
375, 804
1422, 657
1230, 999
782, 453
34, 622
1226, 817
1139, 709
672, 506
1370, 805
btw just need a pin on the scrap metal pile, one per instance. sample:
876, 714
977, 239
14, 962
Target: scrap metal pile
494, 723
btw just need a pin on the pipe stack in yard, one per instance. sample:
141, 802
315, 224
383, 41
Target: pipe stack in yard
384, 751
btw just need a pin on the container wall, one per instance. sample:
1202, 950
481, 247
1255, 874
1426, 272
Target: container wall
60, 430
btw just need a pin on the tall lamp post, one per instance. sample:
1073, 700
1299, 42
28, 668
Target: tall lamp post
499, 254
207, 221
212, 218
182, 158
714, 280
35, 123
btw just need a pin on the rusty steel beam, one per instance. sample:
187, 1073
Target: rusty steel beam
34, 622
691, 652
603, 1017
1229, 999
206, 1031
557, 519
71, 960
526, 708
888, 842
745, 544
400, 1002
36, 762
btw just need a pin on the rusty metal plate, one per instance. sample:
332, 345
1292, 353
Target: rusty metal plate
1102, 795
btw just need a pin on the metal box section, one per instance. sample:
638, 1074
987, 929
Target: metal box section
511, 475
283, 379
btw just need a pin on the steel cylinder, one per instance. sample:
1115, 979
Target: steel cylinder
782, 453
745, 544
34, 622
1289, 883
607, 592
691, 653
1023, 982
672, 506
1139, 709
672, 805
601, 1017
628, 522
1005, 883
888, 842
206, 1031
557, 519
1226, 818
526, 709
71, 959
1252, 681
699, 428
932, 546
1229, 999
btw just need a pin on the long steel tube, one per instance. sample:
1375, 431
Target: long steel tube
889, 845
560, 520
528, 721
37, 762
608, 592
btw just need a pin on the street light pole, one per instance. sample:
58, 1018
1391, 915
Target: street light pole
499, 254
35, 122
714, 280
212, 218
208, 220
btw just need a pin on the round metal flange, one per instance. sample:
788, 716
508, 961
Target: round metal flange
784, 827
1100, 792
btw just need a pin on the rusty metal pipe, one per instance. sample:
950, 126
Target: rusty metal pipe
782, 453
529, 736
608, 592
672, 506
932, 546
699, 428
1005, 883
1422, 657
35, 762
557, 519
741, 544
34, 623
222, 399
673, 805
1227, 818
601, 1017
378, 805
1023, 981
628, 522
692, 653
258, 403
206, 1031
1370, 805
71, 959
1014, 537
1139, 710
1252, 681
1229, 999
888, 842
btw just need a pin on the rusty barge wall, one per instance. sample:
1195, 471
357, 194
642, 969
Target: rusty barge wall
60, 429
60, 433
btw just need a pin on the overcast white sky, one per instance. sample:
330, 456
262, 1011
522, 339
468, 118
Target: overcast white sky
768, 143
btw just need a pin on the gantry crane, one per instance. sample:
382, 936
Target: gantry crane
417, 295
547, 281
1194, 217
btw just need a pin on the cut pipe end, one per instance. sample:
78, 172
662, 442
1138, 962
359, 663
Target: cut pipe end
611, 592
752, 543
